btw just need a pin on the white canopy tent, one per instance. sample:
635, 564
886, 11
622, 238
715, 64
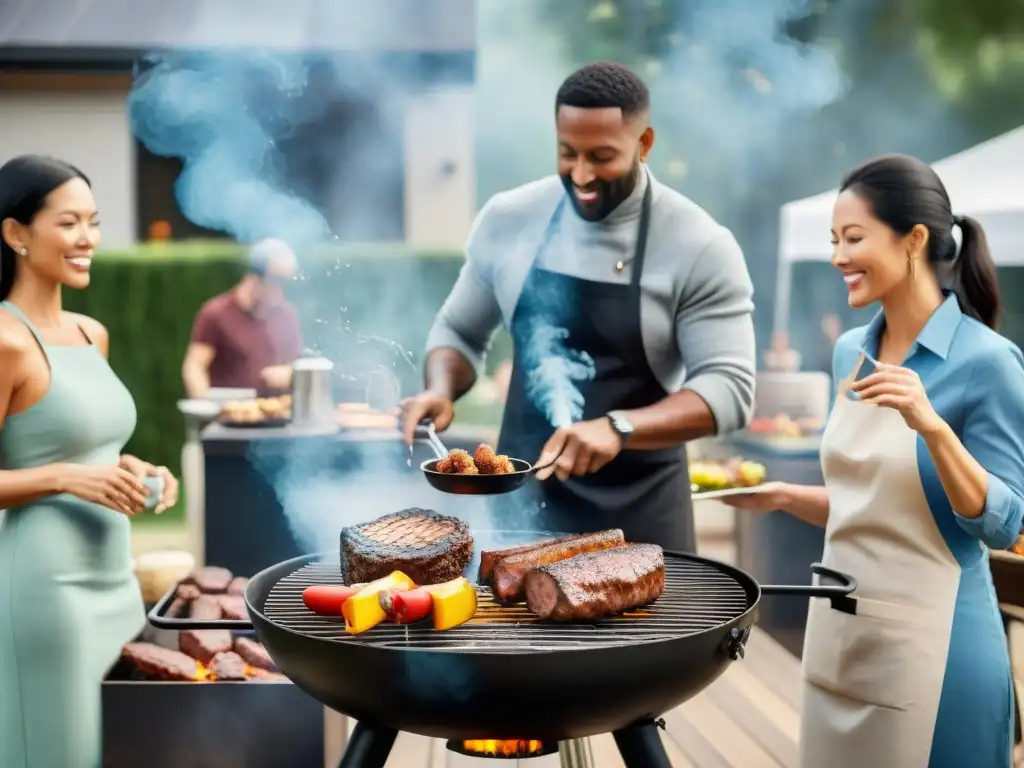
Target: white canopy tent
985, 182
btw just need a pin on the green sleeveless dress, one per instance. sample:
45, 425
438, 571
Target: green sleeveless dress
68, 598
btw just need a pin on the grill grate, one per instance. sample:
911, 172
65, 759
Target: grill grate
698, 597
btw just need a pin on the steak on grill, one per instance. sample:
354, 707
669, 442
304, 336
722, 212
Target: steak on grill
212, 579
228, 665
489, 557
598, 584
205, 608
427, 547
188, 592
254, 654
233, 607
160, 663
204, 644
508, 577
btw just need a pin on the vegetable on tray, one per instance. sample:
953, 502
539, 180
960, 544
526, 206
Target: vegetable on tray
720, 475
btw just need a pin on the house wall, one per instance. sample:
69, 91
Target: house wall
440, 177
82, 119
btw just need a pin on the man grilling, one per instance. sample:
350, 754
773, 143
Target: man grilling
647, 286
248, 336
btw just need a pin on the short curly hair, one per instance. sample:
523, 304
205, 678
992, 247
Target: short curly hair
603, 84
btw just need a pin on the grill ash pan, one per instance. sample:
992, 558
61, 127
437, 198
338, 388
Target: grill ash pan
503, 674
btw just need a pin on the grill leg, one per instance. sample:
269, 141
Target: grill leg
641, 747
368, 747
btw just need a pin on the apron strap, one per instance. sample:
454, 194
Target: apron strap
844, 385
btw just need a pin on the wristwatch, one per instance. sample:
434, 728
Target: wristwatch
623, 426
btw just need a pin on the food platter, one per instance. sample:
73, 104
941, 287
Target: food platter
725, 492
262, 424
256, 413
720, 479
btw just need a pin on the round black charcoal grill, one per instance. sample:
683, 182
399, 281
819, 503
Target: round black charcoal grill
698, 596
506, 674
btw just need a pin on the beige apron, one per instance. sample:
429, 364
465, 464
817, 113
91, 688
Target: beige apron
872, 681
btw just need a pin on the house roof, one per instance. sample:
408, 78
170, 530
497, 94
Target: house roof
100, 30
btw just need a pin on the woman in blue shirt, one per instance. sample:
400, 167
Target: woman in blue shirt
923, 460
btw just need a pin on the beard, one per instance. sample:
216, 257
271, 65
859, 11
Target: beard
610, 193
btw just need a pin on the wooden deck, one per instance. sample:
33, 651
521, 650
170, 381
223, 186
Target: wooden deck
749, 718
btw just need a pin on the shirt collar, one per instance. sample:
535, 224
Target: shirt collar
936, 336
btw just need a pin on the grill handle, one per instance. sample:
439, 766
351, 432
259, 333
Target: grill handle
838, 594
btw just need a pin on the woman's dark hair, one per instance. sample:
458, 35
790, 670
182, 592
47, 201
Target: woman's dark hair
903, 192
25, 183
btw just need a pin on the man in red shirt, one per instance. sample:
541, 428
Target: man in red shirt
248, 336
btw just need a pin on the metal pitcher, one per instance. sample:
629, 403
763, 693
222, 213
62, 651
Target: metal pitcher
312, 391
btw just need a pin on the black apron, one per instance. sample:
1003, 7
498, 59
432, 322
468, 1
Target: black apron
645, 493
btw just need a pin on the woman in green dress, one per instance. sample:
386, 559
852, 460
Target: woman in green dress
68, 598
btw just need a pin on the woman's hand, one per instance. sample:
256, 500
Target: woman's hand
900, 389
767, 498
112, 486
142, 469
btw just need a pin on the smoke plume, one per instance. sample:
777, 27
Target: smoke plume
554, 372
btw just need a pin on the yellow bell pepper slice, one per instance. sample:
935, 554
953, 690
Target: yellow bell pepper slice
362, 611
454, 603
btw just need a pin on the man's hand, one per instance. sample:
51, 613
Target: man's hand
582, 449
426, 406
277, 376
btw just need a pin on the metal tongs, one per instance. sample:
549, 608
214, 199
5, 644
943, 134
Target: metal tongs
432, 439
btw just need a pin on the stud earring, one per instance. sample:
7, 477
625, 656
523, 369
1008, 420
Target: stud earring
23, 251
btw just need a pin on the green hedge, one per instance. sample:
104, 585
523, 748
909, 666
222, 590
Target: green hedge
363, 306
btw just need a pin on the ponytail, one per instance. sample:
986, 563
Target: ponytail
8, 265
974, 274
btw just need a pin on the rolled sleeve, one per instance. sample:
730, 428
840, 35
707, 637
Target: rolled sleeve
715, 332
471, 314
994, 436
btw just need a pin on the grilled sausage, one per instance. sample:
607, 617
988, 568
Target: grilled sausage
327, 599
598, 584
507, 579
489, 557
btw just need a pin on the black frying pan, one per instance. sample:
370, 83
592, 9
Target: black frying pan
479, 485
474, 485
